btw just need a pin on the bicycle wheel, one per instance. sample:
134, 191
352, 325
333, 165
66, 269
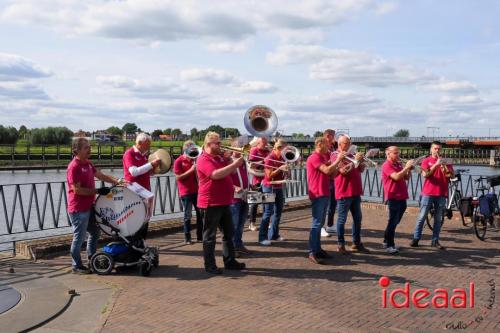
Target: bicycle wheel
480, 224
458, 197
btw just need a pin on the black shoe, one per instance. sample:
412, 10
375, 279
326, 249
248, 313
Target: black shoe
414, 242
213, 270
235, 265
81, 270
315, 259
323, 254
437, 245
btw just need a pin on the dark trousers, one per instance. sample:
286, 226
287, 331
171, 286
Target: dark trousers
213, 217
396, 210
332, 204
188, 202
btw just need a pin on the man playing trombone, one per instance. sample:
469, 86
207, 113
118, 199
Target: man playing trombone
215, 194
348, 190
394, 177
187, 184
275, 172
436, 172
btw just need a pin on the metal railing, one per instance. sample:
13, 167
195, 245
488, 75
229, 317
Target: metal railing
30, 208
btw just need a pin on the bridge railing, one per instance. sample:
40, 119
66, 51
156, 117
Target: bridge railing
34, 210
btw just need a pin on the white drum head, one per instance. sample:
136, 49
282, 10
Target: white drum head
268, 197
123, 209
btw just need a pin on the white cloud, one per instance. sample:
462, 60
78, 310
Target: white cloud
228, 46
257, 87
14, 68
447, 86
209, 75
385, 7
21, 90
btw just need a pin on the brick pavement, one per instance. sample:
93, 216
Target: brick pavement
282, 291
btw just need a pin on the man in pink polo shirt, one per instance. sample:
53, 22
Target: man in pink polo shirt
257, 156
215, 194
329, 135
187, 184
394, 177
81, 196
137, 169
275, 169
348, 190
436, 172
319, 172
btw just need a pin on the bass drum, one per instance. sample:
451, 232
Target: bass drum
123, 209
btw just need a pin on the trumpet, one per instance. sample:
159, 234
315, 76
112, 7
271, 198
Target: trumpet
366, 160
444, 166
347, 164
192, 151
415, 164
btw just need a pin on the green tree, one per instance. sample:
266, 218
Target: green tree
176, 133
130, 128
194, 133
318, 134
115, 131
232, 132
51, 135
23, 132
156, 134
167, 131
402, 133
8, 135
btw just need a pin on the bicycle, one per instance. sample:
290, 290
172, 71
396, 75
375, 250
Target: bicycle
452, 202
485, 207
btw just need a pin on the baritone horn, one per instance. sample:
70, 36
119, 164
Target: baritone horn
165, 161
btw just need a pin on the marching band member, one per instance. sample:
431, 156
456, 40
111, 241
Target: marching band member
348, 190
319, 172
257, 156
136, 168
239, 206
81, 195
215, 194
275, 169
187, 184
394, 177
329, 135
436, 172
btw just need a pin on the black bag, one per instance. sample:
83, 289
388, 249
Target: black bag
494, 180
466, 206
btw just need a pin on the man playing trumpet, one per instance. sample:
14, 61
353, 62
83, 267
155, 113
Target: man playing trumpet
394, 177
436, 172
348, 190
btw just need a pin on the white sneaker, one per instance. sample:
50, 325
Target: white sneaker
391, 250
331, 230
280, 239
384, 245
324, 233
265, 242
252, 226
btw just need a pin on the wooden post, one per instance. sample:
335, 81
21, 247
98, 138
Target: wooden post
492, 158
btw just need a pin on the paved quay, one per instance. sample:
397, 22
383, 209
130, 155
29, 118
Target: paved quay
281, 290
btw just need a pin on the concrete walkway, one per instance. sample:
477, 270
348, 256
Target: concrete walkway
282, 291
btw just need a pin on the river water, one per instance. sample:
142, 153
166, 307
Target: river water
8, 178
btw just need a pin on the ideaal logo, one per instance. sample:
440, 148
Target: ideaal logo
423, 298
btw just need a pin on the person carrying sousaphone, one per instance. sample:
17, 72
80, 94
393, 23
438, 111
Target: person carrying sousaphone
136, 168
257, 155
276, 170
187, 184
348, 190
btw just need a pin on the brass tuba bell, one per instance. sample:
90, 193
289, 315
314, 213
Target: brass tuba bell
260, 120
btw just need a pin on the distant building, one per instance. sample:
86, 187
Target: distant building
82, 134
129, 136
103, 136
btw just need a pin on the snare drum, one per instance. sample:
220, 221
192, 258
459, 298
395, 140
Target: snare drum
123, 209
254, 197
268, 197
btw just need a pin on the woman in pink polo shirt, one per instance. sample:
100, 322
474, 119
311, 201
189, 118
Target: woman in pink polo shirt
394, 177
81, 195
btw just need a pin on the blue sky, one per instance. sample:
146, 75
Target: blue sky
368, 66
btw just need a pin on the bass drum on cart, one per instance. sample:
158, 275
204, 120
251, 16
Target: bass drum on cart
123, 209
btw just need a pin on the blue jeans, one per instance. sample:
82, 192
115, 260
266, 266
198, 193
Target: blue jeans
396, 210
332, 204
425, 205
80, 223
239, 211
344, 205
188, 201
318, 206
274, 210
